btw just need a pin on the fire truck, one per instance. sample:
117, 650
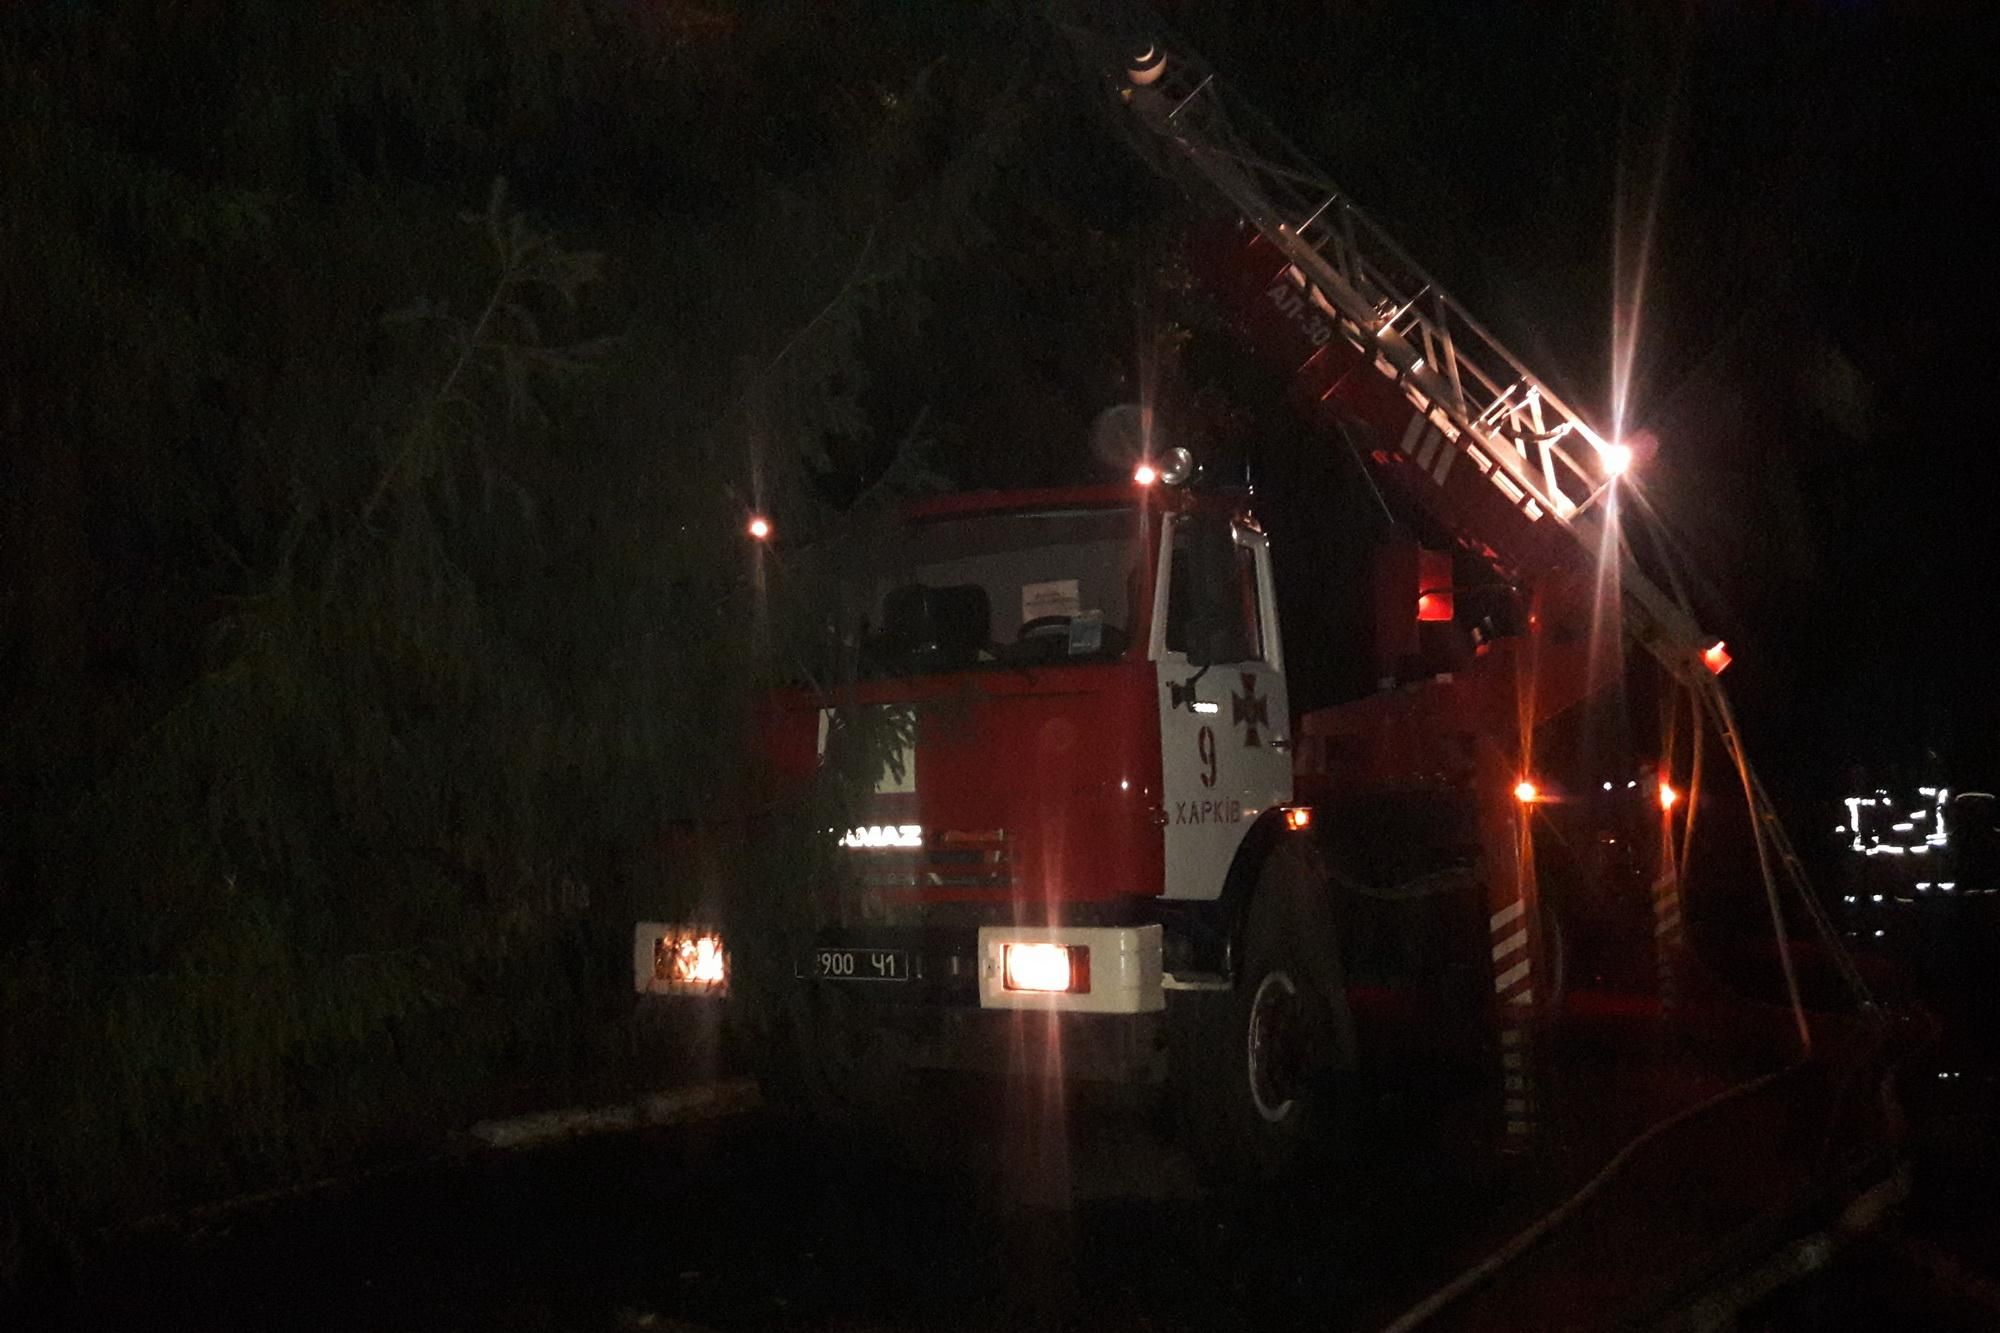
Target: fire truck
1101, 842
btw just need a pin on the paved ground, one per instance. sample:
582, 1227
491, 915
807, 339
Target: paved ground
1040, 1210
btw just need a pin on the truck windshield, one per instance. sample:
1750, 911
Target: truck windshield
1034, 587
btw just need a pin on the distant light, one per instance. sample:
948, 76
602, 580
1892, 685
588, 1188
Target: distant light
760, 527
1631, 784
1607, 786
1876, 899
1716, 657
1298, 818
1616, 458
1526, 792
1145, 475
1206, 706
1668, 796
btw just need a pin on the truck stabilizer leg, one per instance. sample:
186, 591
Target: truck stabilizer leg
1513, 923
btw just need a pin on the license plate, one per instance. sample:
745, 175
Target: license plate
856, 964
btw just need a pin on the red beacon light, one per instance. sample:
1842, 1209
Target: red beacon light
1526, 792
1716, 658
1668, 796
1434, 606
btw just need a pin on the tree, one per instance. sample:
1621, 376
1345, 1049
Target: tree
379, 586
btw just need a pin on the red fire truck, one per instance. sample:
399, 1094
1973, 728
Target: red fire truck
1102, 843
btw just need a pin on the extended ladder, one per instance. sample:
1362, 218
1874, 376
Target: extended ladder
1550, 465
1471, 395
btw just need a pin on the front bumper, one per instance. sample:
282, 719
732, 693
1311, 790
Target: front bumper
954, 1012
952, 967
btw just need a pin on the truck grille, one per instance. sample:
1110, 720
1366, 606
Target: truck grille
949, 859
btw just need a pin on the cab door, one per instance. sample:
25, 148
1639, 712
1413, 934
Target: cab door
1225, 726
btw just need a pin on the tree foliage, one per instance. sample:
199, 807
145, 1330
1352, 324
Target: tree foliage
385, 387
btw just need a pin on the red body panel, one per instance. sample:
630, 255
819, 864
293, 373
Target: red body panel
1065, 760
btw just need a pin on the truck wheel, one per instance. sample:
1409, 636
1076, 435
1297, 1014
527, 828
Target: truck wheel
1262, 1067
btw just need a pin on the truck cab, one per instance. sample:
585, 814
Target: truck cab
1074, 711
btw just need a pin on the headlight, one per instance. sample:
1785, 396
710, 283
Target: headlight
679, 960
1046, 967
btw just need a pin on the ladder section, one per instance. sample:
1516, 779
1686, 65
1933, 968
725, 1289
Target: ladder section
1351, 282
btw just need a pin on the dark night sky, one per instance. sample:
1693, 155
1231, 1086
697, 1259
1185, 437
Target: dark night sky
1820, 259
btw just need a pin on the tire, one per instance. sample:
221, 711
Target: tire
1262, 1071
